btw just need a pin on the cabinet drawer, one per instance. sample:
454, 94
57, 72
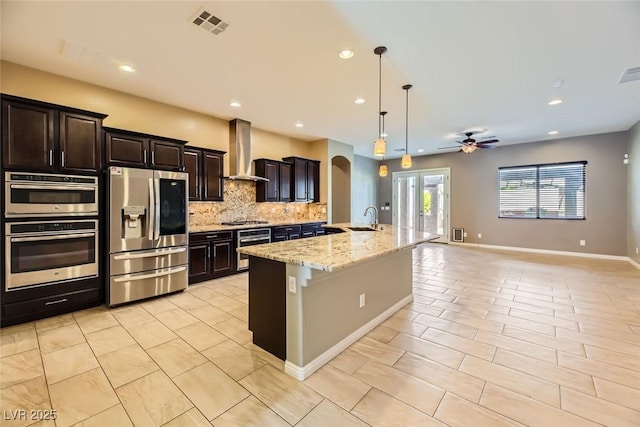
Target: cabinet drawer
214, 235
312, 227
287, 229
54, 303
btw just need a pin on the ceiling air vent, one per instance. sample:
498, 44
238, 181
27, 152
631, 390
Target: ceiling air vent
209, 22
630, 74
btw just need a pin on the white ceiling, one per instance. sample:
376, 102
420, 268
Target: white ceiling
473, 65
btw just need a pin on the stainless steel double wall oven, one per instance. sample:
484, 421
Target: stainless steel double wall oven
51, 229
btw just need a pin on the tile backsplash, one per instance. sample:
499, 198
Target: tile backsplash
240, 204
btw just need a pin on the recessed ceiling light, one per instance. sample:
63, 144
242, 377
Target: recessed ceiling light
127, 68
420, 150
359, 101
555, 102
345, 53
235, 104
299, 125
553, 132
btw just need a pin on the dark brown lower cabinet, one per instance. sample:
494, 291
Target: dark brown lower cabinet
211, 255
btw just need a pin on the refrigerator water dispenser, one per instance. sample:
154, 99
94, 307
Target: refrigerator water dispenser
134, 222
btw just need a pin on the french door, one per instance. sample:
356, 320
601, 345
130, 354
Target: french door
421, 201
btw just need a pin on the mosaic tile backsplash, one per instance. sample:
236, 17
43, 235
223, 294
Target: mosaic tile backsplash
240, 204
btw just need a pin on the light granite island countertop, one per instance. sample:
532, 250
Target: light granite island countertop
309, 299
337, 251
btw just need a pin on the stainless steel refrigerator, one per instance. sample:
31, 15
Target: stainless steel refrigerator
148, 233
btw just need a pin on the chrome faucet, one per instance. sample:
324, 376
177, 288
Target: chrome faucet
375, 215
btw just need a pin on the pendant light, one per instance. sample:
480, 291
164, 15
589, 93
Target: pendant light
383, 170
406, 159
379, 145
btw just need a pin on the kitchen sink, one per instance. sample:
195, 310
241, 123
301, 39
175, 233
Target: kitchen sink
361, 229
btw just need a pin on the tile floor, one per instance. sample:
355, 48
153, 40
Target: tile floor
492, 338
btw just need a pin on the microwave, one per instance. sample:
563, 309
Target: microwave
41, 195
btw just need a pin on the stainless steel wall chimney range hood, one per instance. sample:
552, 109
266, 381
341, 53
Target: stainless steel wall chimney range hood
240, 151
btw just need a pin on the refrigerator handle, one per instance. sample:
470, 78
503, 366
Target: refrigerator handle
151, 229
156, 220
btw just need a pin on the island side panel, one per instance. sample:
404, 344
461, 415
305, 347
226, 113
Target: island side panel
326, 309
267, 305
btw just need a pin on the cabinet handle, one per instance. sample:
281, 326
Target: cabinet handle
50, 157
153, 157
63, 158
56, 301
145, 156
212, 237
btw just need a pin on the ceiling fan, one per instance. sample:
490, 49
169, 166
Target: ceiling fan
469, 145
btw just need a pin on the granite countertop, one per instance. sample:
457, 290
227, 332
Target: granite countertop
337, 251
220, 227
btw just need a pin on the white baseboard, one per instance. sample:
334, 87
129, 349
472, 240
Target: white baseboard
545, 251
301, 373
635, 264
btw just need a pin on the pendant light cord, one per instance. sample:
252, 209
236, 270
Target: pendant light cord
406, 121
380, 96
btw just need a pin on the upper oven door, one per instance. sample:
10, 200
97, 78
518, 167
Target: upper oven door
35, 259
28, 195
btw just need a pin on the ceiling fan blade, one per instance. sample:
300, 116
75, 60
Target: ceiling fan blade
491, 141
486, 146
447, 148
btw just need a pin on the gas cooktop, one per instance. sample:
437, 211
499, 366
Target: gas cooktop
244, 222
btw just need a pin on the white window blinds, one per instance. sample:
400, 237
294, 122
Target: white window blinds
543, 191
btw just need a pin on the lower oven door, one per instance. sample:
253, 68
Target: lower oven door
38, 260
135, 286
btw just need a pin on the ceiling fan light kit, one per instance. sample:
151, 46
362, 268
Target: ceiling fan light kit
379, 145
406, 158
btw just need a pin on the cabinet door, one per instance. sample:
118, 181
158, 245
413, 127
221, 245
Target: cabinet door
285, 173
313, 181
79, 143
166, 155
222, 261
279, 237
199, 262
27, 137
213, 182
300, 180
192, 167
126, 150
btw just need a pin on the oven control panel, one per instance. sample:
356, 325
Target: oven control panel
43, 227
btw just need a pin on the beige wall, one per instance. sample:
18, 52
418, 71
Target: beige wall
335, 149
364, 173
474, 194
633, 171
138, 114
340, 190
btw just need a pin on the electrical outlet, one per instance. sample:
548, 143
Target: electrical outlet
583, 242
479, 235
464, 234
362, 300
292, 284
636, 250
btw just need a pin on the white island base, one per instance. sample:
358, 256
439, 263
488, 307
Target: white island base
322, 313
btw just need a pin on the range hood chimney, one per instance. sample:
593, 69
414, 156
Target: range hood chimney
240, 151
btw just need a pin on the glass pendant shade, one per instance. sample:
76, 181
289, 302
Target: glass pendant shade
379, 147
406, 161
383, 170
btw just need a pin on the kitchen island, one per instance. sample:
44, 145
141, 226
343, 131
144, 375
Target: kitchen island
310, 299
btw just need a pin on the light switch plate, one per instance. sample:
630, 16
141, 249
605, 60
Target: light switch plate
292, 284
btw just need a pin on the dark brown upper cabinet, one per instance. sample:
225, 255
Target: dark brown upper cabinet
205, 168
138, 150
278, 188
305, 179
39, 136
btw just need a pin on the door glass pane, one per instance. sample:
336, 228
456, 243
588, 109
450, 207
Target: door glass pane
173, 212
406, 204
433, 204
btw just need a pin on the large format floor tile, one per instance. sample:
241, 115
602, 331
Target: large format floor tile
491, 339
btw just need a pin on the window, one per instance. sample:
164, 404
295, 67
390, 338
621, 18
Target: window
543, 191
